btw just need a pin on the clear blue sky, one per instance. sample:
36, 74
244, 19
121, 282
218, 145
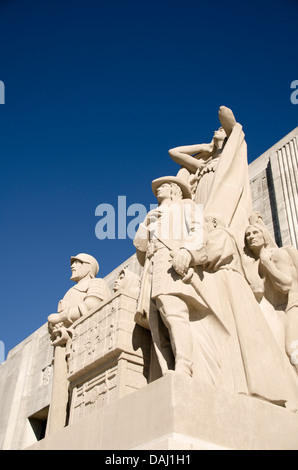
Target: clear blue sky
96, 92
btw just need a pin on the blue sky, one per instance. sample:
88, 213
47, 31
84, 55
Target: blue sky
96, 93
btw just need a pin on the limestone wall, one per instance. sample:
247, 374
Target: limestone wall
25, 390
274, 185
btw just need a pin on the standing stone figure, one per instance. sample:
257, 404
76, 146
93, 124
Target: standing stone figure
168, 242
86, 295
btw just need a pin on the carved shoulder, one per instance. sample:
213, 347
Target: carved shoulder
98, 287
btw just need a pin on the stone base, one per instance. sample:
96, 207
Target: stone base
176, 413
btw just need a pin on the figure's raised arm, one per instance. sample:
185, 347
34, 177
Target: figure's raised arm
189, 155
227, 119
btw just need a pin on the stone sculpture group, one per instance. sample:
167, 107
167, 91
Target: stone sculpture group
217, 294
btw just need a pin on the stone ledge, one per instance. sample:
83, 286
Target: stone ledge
178, 413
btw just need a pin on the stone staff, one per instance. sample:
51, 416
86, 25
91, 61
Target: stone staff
58, 409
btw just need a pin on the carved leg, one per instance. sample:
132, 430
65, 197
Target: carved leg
175, 315
161, 340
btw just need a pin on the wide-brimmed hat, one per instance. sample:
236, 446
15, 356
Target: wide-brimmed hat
172, 179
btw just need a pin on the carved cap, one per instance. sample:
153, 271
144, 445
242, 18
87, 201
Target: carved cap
86, 259
172, 179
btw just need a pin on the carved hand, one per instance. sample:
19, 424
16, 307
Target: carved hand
152, 218
265, 256
57, 330
154, 215
181, 261
227, 119
54, 318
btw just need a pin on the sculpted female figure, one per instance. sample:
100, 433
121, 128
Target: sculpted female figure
199, 162
218, 173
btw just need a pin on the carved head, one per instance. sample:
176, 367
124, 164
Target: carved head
255, 237
170, 187
219, 138
83, 265
169, 191
220, 134
128, 281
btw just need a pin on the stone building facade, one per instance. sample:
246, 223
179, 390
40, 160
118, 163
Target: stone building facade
108, 375
274, 185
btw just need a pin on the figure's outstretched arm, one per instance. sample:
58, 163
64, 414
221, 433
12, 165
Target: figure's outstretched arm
227, 119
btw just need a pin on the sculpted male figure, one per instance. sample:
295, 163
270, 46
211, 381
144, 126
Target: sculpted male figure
277, 268
168, 242
86, 295
81, 298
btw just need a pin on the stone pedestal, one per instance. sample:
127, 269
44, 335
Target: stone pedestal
108, 356
174, 413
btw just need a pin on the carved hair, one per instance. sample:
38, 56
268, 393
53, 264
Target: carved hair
266, 237
176, 192
256, 221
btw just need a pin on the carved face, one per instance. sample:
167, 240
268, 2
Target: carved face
254, 237
219, 135
118, 282
79, 270
163, 192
